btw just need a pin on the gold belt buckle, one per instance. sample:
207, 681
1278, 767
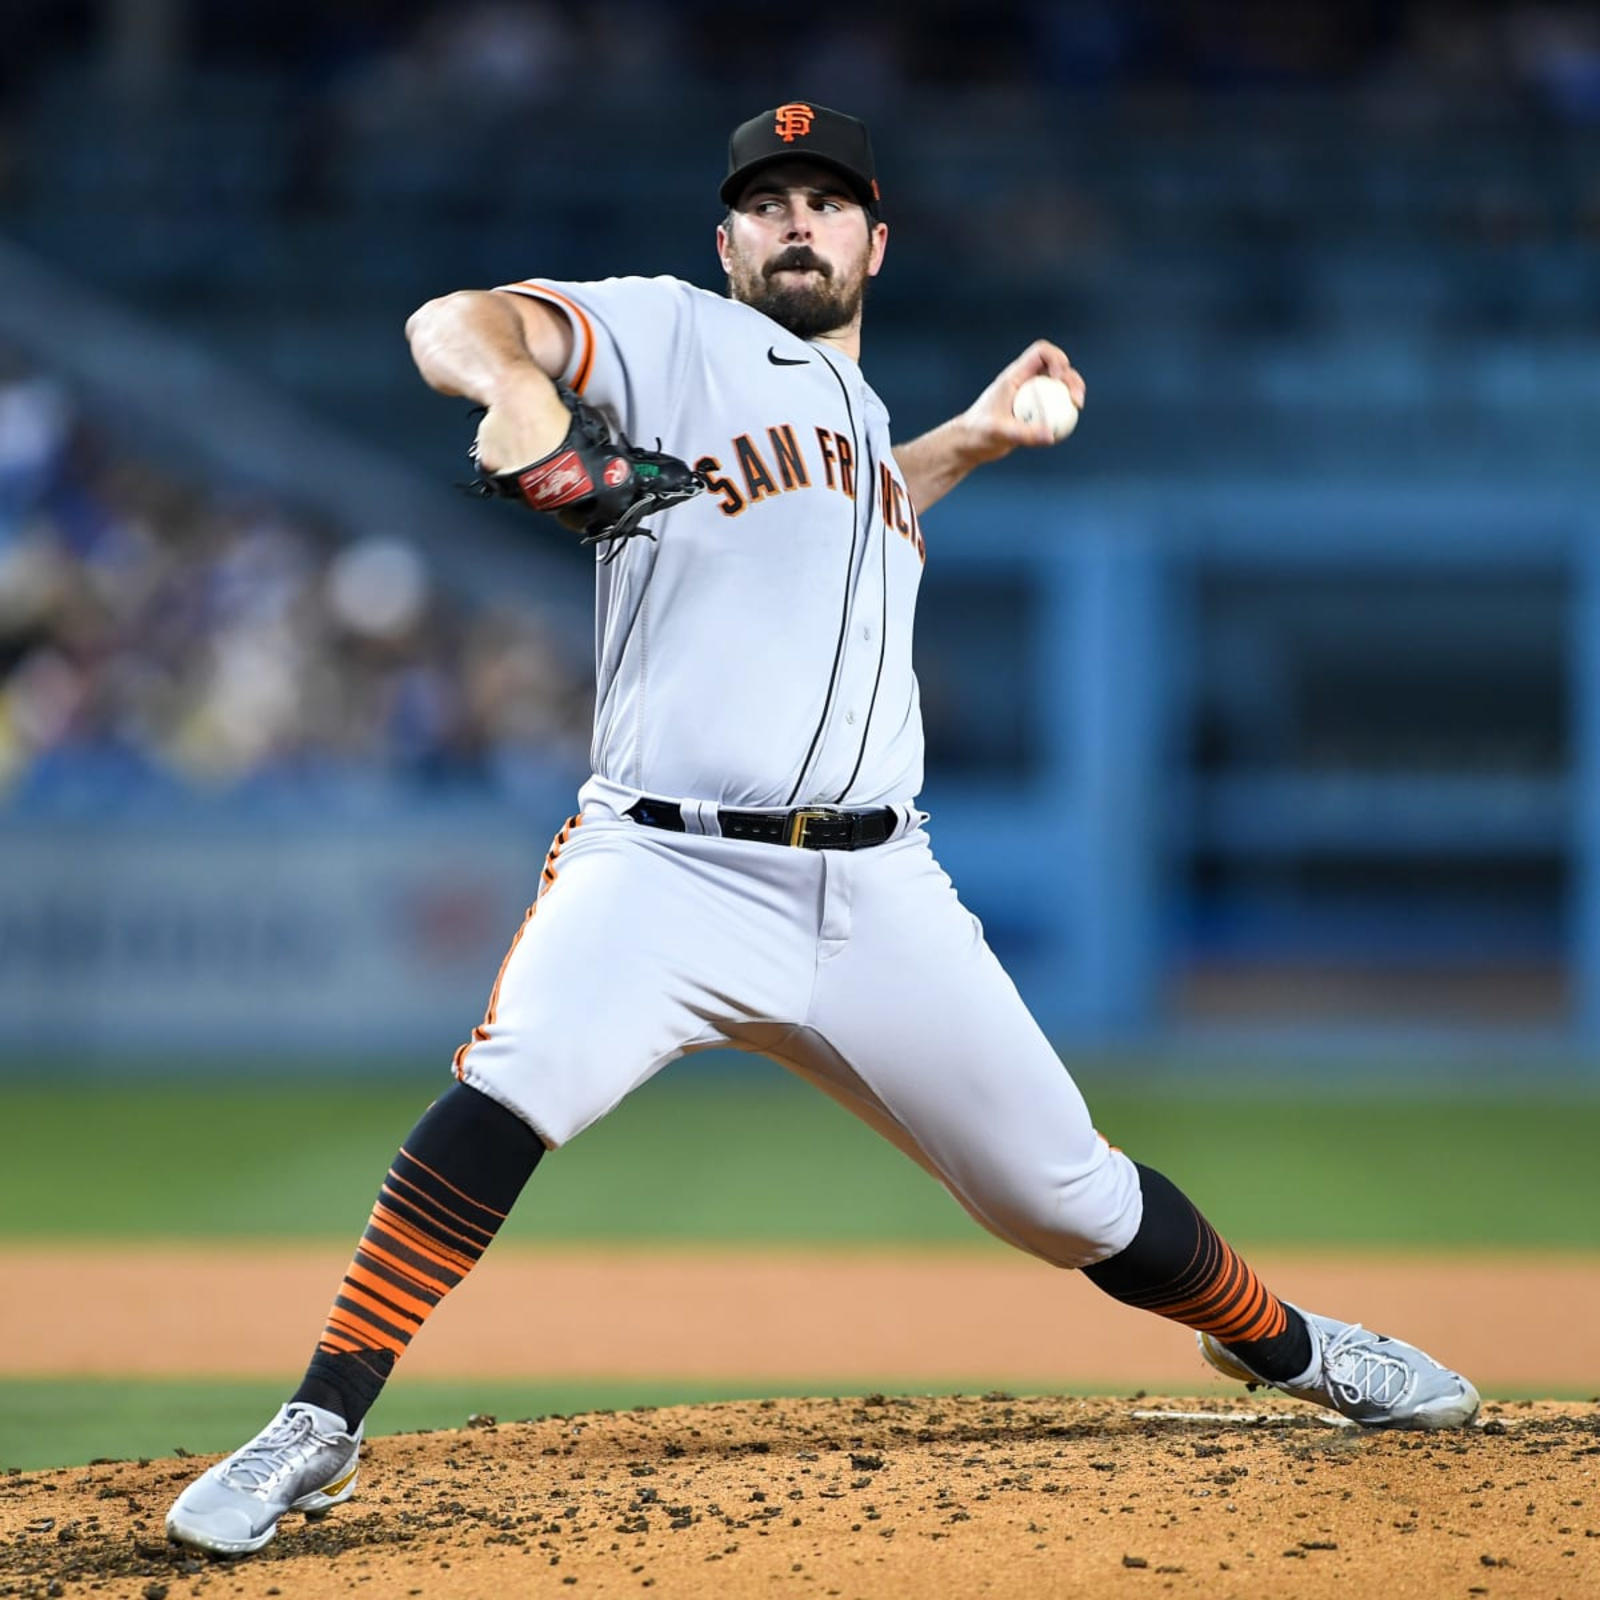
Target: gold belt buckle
800, 822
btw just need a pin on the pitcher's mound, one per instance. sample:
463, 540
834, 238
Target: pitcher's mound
877, 1497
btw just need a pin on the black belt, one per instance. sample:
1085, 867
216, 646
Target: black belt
808, 828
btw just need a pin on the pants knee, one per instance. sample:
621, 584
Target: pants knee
1072, 1219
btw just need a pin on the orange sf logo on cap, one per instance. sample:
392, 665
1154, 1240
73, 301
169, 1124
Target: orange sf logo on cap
792, 121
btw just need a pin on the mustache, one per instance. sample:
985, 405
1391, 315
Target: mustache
797, 258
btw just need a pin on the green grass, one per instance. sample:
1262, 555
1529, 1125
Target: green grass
743, 1155
53, 1423
58, 1423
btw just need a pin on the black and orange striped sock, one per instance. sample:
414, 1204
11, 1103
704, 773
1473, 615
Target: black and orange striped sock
1179, 1266
451, 1186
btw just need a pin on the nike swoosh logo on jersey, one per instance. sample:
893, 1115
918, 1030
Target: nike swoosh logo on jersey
785, 361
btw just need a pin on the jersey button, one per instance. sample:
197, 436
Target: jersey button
850, 717
866, 633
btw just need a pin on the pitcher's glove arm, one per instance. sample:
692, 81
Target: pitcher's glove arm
600, 487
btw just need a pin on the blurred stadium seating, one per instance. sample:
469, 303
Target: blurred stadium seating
1332, 274
165, 640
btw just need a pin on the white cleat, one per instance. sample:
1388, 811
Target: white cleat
1373, 1380
303, 1460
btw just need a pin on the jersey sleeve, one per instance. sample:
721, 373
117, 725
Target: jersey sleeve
629, 336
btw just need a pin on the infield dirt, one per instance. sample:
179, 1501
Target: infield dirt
879, 1498
826, 1321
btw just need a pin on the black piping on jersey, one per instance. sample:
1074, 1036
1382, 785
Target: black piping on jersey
849, 575
883, 642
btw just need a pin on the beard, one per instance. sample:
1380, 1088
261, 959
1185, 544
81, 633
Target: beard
817, 305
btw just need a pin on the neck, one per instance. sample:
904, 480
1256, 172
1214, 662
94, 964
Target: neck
847, 342
846, 338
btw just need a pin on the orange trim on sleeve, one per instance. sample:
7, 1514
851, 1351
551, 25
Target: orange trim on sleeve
576, 315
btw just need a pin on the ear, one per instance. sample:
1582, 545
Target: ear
880, 242
722, 247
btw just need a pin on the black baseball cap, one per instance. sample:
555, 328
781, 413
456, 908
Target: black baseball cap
801, 131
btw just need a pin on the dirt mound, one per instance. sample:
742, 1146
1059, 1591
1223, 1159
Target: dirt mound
881, 1497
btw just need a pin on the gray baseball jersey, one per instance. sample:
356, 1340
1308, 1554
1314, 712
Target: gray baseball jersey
757, 655
758, 652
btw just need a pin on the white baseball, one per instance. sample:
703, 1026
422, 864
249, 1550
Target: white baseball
1048, 400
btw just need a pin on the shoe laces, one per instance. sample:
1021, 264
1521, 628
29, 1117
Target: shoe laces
1361, 1372
255, 1463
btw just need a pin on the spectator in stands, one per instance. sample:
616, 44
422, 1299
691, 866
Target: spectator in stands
159, 637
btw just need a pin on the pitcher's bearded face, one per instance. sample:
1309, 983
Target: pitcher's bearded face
799, 248
800, 290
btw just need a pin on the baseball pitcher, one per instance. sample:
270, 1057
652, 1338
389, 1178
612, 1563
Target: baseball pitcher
748, 866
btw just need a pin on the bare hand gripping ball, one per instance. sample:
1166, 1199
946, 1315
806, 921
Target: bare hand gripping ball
1047, 400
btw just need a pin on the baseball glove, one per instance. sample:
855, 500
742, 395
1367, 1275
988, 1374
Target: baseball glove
600, 487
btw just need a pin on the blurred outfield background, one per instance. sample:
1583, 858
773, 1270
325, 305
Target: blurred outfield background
1264, 718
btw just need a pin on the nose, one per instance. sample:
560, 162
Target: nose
799, 220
